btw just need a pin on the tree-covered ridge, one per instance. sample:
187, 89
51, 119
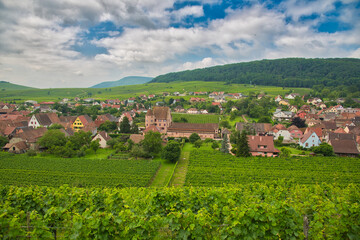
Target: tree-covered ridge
287, 72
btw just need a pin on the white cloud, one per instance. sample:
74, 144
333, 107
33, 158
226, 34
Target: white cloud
37, 38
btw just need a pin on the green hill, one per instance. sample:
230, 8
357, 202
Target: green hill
288, 72
132, 80
10, 86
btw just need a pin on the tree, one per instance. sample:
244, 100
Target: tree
134, 128
171, 151
136, 151
108, 126
243, 149
55, 126
324, 149
225, 124
225, 144
3, 141
95, 145
125, 126
152, 142
215, 145
194, 137
52, 138
80, 139
300, 123
285, 152
264, 119
198, 143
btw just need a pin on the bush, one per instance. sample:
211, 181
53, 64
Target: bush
31, 153
194, 137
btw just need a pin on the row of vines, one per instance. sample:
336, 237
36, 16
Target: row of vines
213, 168
22, 170
272, 210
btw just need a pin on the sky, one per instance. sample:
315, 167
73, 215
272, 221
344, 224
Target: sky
79, 43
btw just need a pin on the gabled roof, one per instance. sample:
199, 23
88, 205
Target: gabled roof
341, 136
329, 124
344, 146
306, 136
262, 144
152, 128
46, 119
136, 138
159, 112
85, 119
104, 135
293, 128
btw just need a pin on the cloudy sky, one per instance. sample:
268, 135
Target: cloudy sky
79, 43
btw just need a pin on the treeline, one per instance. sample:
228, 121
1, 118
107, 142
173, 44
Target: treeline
288, 72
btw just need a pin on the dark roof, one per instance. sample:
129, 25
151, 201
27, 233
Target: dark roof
193, 127
258, 127
344, 146
46, 119
329, 124
159, 112
85, 119
341, 136
104, 135
266, 143
31, 134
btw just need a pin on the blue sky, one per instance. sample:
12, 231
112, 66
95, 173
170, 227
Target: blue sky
71, 43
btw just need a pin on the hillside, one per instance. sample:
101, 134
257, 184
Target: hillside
288, 72
124, 92
10, 86
131, 80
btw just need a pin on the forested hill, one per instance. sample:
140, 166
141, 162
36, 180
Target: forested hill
288, 72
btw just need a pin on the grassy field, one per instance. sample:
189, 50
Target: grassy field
124, 92
22, 170
197, 118
213, 168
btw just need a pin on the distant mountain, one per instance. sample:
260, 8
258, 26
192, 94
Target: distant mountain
132, 80
10, 86
287, 72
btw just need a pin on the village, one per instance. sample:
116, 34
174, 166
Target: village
303, 125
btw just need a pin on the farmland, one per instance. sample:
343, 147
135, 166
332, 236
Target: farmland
125, 92
197, 118
212, 168
22, 170
274, 210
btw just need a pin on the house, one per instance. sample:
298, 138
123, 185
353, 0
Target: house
219, 99
305, 108
284, 102
159, 117
283, 115
301, 114
80, 122
234, 109
29, 135
43, 119
152, 128
128, 115
204, 111
254, 128
103, 118
262, 146
278, 98
192, 111
205, 130
17, 147
293, 109
291, 96
137, 138
317, 130
344, 148
295, 132
179, 109
310, 139
103, 137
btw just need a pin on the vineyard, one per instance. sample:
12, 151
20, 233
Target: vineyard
22, 170
275, 210
197, 118
213, 168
